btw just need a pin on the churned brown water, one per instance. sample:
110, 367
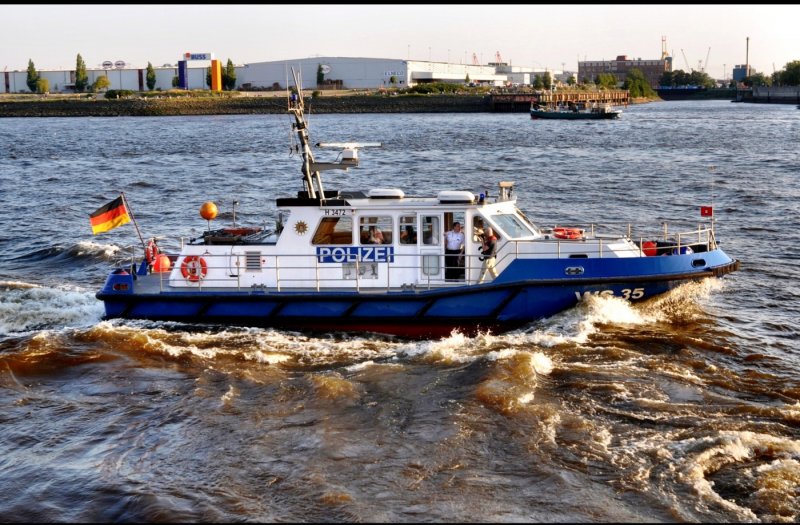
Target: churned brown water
683, 408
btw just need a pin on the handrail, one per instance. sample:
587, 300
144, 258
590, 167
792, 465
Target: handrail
319, 277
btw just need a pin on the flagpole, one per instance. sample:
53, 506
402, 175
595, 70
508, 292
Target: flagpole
130, 212
712, 204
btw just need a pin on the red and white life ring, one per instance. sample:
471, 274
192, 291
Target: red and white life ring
151, 252
194, 268
567, 233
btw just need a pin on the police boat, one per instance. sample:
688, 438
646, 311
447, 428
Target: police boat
377, 261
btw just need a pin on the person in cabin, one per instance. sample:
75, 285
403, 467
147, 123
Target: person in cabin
454, 253
488, 255
408, 235
375, 235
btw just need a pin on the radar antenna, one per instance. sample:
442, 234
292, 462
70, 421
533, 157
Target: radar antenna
349, 155
312, 168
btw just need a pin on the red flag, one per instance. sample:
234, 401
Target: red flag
706, 211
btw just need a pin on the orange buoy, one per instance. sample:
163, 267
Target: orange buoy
649, 248
208, 211
162, 264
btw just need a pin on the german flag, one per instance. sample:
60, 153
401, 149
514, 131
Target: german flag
109, 216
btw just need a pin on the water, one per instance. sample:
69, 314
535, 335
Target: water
683, 408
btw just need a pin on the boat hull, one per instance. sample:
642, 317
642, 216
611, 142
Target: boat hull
570, 115
500, 306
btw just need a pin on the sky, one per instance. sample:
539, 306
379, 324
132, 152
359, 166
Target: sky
552, 36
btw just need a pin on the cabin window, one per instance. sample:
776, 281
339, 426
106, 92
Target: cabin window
477, 229
430, 265
512, 225
408, 229
431, 232
375, 230
529, 222
334, 230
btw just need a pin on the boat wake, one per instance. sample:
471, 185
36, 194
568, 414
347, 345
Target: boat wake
26, 308
742, 474
82, 251
596, 313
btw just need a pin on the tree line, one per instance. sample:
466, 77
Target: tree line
788, 76
40, 85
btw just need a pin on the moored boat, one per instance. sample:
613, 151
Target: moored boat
574, 112
377, 260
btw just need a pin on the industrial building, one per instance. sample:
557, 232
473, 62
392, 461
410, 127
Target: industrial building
366, 73
741, 72
652, 69
63, 81
337, 72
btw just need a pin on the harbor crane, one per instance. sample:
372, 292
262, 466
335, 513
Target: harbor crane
705, 66
701, 67
688, 67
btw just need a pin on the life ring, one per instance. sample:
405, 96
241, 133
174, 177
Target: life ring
194, 268
151, 252
567, 233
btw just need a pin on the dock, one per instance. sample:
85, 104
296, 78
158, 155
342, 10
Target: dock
521, 102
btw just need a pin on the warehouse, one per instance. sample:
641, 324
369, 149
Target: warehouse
317, 73
364, 73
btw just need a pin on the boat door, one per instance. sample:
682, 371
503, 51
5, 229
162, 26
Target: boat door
431, 249
405, 270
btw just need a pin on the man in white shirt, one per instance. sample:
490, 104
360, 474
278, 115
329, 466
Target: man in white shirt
454, 249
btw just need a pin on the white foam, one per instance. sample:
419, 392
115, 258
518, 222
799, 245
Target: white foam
541, 363
106, 251
26, 308
14, 285
695, 458
229, 396
525, 398
576, 325
268, 358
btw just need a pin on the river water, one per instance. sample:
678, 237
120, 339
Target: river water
683, 408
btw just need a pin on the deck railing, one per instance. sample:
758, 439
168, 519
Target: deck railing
293, 271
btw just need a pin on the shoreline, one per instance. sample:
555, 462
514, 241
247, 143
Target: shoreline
252, 103
242, 105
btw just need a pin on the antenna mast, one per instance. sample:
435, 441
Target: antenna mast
300, 126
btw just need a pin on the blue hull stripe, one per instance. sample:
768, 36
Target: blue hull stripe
424, 312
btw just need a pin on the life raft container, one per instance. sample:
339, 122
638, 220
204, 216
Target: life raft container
567, 233
194, 268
